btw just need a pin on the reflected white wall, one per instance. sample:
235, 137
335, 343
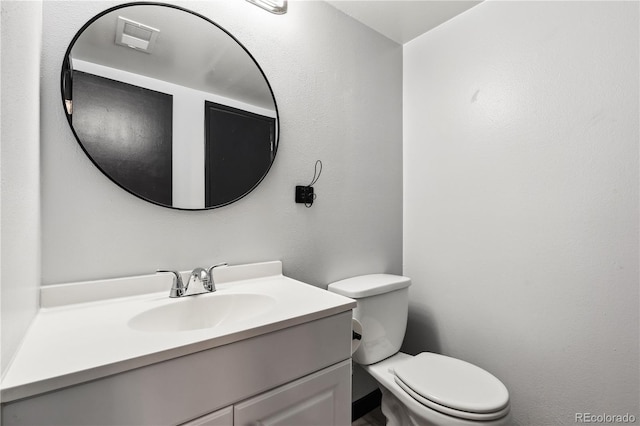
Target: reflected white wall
187, 130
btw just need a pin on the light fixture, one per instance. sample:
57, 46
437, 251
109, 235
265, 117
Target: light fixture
135, 35
279, 7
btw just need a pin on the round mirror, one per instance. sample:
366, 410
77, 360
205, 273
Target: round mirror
170, 106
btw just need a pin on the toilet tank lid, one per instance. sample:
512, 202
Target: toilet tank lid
369, 285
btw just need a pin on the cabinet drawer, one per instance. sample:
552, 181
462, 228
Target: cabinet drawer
319, 399
222, 417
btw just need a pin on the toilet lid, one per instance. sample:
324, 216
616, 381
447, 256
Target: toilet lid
452, 383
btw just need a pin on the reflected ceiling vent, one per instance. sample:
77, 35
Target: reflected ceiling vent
136, 35
279, 7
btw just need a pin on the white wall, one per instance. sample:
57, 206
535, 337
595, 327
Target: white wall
340, 100
521, 201
19, 172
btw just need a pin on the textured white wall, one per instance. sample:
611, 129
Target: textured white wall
521, 201
338, 89
19, 171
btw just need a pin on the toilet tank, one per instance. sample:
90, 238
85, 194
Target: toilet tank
383, 305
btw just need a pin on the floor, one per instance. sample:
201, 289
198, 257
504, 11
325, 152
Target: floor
372, 418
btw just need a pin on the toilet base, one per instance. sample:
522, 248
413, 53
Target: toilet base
400, 409
394, 411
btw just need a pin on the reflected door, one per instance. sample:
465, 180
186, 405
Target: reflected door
239, 151
127, 131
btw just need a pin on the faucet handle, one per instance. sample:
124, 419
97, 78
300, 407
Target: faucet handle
177, 288
218, 265
211, 285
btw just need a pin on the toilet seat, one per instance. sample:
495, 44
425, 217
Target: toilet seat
452, 386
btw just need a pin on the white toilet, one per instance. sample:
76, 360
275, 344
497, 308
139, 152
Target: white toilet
426, 389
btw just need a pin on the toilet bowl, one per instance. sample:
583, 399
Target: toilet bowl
425, 389
401, 407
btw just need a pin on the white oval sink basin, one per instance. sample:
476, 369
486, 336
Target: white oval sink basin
202, 311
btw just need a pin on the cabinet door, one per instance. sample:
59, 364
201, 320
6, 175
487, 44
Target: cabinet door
319, 399
223, 417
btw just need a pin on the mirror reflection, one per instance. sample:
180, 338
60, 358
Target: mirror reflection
170, 106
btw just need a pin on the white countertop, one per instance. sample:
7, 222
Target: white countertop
73, 343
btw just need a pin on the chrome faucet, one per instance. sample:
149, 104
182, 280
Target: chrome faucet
202, 275
179, 289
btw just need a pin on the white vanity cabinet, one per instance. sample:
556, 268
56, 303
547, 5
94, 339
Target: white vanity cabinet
296, 376
271, 351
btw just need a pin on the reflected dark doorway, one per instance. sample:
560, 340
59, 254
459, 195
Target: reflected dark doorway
127, 132
240, 147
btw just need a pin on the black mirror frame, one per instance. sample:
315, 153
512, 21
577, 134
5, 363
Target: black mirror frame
66, 88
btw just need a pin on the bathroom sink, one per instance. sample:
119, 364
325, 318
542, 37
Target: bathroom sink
202, 311
90, 331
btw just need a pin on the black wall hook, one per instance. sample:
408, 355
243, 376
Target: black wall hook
305, 194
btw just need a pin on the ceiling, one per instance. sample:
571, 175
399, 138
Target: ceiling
178, 57
402, 20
